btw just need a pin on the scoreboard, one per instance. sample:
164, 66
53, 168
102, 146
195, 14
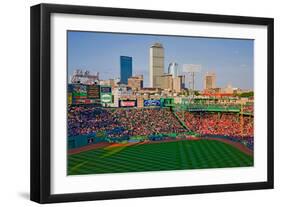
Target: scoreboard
94, 92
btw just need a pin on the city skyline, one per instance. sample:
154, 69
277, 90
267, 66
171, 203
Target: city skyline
230, 59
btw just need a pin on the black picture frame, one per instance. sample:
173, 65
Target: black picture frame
41, 95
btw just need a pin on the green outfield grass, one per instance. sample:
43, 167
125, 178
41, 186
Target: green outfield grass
187, 154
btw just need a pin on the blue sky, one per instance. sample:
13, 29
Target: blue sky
230, 59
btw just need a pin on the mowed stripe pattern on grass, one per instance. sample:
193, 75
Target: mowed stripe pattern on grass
186, 154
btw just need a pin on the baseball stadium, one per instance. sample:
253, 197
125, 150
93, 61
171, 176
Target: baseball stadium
158, 134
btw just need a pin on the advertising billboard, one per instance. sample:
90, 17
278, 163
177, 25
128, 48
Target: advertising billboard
151, 103
94, 92
105, 89
105, 94
69, 98
79, 91
167, 102
106, 98
127, 103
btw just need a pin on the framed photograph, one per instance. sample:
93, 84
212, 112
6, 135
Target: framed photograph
132, 103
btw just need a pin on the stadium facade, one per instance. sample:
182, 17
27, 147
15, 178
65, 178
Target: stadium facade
84, 77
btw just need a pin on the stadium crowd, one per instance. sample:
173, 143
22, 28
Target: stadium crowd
249, 108
224, 124
121, 122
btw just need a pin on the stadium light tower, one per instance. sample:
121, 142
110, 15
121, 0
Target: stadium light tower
191, 70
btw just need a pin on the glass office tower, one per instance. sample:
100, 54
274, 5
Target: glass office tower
126, 65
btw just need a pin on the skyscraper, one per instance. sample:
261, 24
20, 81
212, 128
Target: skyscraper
156, 65
126, 65
209, 81
173, 69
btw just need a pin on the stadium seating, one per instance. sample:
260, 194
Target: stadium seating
225, 124
120, 122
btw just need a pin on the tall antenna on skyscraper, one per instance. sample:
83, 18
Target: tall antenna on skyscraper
190, 71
